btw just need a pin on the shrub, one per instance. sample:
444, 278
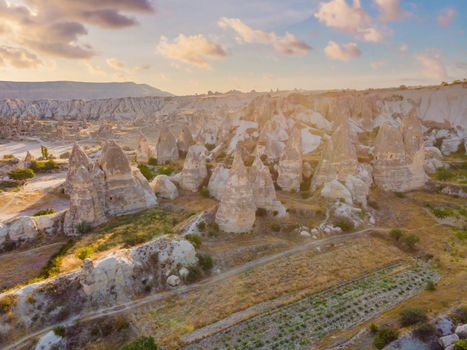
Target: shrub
399, 194
201, 225
411, 316
425, 331
8, 156
141, 343
44, 152
60, 331
460, 314
430, 286
84, 252
195, 239
205, 261
461, 344
5, 304
384, 336
83, 227
21, 174
410, 241
373, 328
204, 192
209, 146
442, 213
43, 166
395, 234
275, 226
165, 170
443, 174
147, 172
152, 161
47, 211
345, 224
261, 212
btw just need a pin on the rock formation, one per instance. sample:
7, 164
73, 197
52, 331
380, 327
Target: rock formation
164, 187
218, 181
395, 169
338, 160
335, 190
264, 192
290, 163
166, 148
185, 139
194, 168
237, 209
144, 151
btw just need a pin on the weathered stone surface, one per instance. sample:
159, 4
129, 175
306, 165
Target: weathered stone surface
307, 170
335, 190
3, 233
194, 168
339, 158
22, 229
237, 209
290, 163
144, 151
394, 168
49, 341
461, 331
164, 188
173, 281
184, 140
28, 159
448, 340
166, 147
218, 181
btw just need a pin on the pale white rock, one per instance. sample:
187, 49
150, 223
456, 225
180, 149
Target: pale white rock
305, 234
314, 118
237, 209
144, 151
166, 147
48, 341
433, 153
461, 331
194, 168
348, 211
307, 170
164, 188
218, 181
22, 229
358, 188
290, 172
50, 224
173, 281
3, 233
183, 272
335, 190
451, 144
431, 165
184, 139
448, 340
310, 141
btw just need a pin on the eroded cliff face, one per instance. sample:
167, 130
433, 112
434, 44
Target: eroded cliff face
291, 163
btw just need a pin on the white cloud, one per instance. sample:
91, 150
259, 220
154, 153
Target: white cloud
390, 10
446, 17
431, 66
352, 19
403, 47
115, 64
288, 44
18, 58
343, 52
377, 65
196, 50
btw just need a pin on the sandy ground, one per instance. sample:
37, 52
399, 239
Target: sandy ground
19, 148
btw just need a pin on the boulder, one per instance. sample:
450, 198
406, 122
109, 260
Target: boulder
173, 281
194, 168
335, 190
290, 163
164, 187
358, 188
448, 340
237, 209
461, 331
49, 341
166, 148
218, 181
23, 229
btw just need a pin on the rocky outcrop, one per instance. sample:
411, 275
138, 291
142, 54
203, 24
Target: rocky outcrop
399, 158
290, 163
264, 192
334, 190
144, 151
338, 160
218, 181
166, 147
194, 168
164, 187
185, 139
237, 209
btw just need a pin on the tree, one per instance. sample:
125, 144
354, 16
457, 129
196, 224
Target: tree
384, 336
45, 152
395, 234
411, 240
408, 317
21, 174
141, 343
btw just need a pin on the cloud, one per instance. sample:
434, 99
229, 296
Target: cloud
403, 47
343, 52
55, 27
18, 58
377, 65
288, 44
351, 19
121, 67
390, 10
446, 17
196, 50
431, 66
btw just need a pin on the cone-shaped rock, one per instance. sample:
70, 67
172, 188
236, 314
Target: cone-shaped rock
194, 168
166, 147
144, 151
237, 209
184, 140
78, 158
218, 181
290, 164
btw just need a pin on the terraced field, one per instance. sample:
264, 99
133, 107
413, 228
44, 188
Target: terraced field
297, 325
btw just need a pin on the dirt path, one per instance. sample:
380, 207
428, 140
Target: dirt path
113, 310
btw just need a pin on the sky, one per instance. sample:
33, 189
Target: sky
189, 47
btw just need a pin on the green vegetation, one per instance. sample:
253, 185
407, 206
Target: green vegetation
459, 315
43, 166
141, 343
205, 261
395, 234
5, 304
47, 211
443, 174
425, 331
275, 226
84, 252
165, 170
373, 328
430, 286
345, 224
53, 265
152, 161
83, 227
461, 344
410, 241
204, 192
21, 174
384, 336
209, 146
442, 213
60, 331
8, 156
8, 185
147, 172
411, 316
45, 152
194, 239
201, 225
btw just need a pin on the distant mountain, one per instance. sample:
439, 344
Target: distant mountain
68, 90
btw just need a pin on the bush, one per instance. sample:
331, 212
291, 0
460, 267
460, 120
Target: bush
205, 261
425, 331
442, 213
443, 174
384, 336
201, 225
152, 161
430, 286
460, 314
84, 252
411, 316
209, 146
5, 304
461, 344
47, 211
21, 174
43, 166
60, 331
8, 156
373, 328
399, 194
83, 227
395, 234
275, 226
165, 170
147, 172
410, 241
204, 192
345, 224
195, 239
141, 343
261, 212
